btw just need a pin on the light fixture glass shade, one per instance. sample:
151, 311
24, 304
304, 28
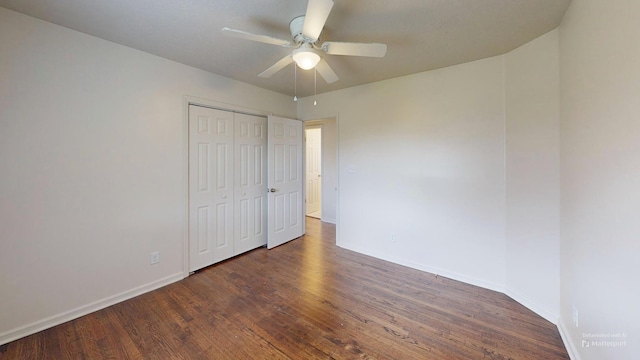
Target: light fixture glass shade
306, 58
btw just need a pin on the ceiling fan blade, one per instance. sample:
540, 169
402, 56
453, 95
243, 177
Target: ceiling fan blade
315, 18
354, 49
326, 72
253, 37
277, 66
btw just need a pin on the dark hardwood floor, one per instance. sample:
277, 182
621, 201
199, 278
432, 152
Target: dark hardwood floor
307, 299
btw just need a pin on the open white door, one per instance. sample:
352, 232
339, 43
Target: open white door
285, 198
313, 136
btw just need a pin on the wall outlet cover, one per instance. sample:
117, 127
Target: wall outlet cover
155, 257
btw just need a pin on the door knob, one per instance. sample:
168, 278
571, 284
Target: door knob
272, 190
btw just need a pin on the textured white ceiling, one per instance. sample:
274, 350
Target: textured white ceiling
421, 34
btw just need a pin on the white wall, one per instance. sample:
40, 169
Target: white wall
426, 154
93, 170
532, 175
600, 175
329, 167
462, 165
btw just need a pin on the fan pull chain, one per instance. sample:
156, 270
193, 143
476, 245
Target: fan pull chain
295, 82
315, 89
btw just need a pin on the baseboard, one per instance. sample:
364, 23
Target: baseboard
531, 305
566, 339
430, 269
550, 316
52, 321
330, 221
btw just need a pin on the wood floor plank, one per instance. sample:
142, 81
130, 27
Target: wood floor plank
307, 299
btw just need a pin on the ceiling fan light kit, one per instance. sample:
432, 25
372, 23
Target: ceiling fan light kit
306, 57
305, 31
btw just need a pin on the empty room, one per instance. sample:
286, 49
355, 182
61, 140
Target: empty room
472, 183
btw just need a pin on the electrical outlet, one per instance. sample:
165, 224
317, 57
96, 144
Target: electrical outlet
155, 257
576, 319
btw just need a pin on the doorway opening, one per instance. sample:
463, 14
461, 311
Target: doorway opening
313, 168
326, 177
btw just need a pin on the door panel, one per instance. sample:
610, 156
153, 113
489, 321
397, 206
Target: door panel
210, 186
204, 228
286, 220
251, 187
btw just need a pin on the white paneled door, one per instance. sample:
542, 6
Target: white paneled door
313, 136
251, 182
227, 185
233, 159
211, 188
285, 219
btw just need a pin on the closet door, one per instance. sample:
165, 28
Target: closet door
250, 210
286, 211
211, 189
230, 169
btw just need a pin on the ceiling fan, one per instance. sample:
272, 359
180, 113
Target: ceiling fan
307, 53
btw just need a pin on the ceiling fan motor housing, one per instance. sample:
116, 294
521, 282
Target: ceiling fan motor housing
296, 26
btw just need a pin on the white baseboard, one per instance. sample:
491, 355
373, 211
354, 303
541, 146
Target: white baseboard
330, 221
566, 339
442, 272
52, 321
531, 305
550, 316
